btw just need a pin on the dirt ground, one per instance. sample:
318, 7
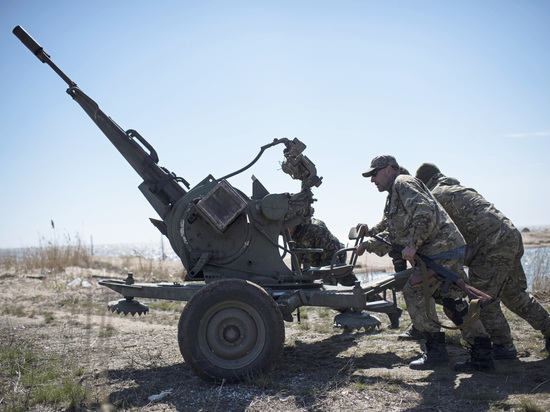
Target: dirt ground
127, 360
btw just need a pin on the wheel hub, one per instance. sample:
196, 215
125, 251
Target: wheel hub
231, 333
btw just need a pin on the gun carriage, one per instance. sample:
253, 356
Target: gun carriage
234, 247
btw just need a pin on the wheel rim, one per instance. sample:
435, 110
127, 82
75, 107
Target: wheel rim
231, 334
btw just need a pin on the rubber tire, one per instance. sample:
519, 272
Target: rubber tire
231, 329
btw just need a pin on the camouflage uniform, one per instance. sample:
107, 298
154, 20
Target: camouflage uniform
316, 235
415, 219
493, 256
399, 264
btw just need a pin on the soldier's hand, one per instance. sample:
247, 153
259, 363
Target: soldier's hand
408, 254
360, 225
361, 248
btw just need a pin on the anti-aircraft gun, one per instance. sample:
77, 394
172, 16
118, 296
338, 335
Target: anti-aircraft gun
238, 288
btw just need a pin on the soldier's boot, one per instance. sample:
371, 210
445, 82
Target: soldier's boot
500, 352
394, 318
411, 334
546, 344
481, 357
435, 355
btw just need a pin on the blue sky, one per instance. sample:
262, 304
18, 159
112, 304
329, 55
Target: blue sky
463, 84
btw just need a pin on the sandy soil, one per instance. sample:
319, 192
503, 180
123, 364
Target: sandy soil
127, 360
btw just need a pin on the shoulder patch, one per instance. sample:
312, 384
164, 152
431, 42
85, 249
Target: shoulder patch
405, 190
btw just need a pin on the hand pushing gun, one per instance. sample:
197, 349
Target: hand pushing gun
449, 276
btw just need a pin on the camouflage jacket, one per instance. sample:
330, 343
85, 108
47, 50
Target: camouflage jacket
414, 218
379, 227
317, 235
481, 224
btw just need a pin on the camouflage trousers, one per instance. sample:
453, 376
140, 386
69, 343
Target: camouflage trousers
426, 320
498, 272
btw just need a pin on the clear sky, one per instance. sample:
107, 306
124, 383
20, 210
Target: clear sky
463, 84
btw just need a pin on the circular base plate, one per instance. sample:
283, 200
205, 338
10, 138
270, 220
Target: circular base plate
126, 306
354, 320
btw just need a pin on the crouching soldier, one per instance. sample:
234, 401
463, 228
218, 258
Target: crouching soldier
417, 221
493, 257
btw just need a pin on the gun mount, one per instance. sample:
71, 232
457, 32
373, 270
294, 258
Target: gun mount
233, 248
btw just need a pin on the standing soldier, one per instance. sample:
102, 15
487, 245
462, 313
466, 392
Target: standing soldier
399, 264
493, 257
416, 221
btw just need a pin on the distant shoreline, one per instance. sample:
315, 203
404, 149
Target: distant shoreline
536, 238
532, 238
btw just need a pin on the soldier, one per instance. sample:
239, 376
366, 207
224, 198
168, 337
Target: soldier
317, 235
493, 256
416, 221
399, 264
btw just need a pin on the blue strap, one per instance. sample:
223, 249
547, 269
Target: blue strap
457, 253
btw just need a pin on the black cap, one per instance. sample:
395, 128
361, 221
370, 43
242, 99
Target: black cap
426, 171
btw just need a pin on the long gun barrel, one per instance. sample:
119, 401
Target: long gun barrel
160, 186
448, 275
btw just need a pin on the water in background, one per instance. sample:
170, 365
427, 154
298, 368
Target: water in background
536, 261
155, 251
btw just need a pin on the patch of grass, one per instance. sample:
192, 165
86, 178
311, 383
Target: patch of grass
107, 332
17, 310
529, 405
324, 312
48, 318
29, 378
167, 305
323, 327
389, 387
304, 312
391, 378
308, 391
8, 260
77, 305
359, 385
263, 381
315, 318
304, 324
50, 256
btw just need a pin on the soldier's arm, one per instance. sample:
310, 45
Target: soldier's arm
373, 246
379, 227
422, 210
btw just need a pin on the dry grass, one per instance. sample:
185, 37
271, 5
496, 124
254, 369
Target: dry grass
49, 256
540, 268
52, 256
94, 360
